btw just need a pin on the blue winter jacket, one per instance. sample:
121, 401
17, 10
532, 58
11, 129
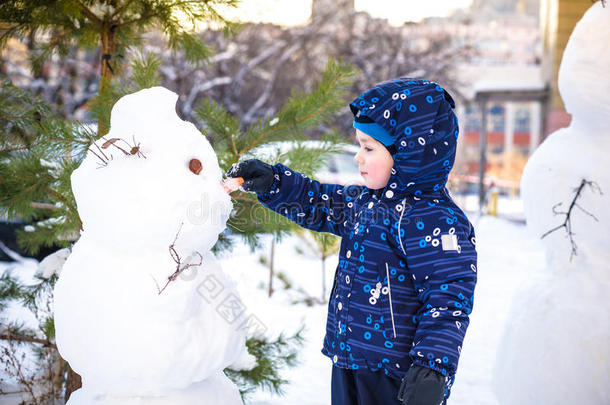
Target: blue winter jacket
404, 284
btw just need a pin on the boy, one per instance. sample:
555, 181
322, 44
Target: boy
404, 286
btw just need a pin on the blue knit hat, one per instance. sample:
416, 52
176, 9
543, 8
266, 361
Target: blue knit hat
375, 131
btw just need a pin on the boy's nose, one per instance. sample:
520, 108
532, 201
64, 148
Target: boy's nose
357, 158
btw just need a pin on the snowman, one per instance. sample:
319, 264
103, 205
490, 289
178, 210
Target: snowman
143, 311
556, 345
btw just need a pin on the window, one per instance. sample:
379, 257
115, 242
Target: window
496, 115
473, 118
522, 120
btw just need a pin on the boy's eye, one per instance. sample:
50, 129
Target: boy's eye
368, 149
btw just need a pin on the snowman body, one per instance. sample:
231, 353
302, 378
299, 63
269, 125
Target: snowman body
133, 335
556, 345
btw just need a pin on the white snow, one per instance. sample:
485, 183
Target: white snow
556, 345
53, 263
24, 270
144, 214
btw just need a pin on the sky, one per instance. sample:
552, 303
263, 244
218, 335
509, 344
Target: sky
399, 11
296, 12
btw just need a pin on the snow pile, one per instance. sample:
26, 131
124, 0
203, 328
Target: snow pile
53, 263
152, 203
556, 346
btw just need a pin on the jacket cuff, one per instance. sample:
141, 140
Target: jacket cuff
436, 367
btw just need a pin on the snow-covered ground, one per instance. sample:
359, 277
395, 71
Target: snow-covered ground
508, 255
507, 207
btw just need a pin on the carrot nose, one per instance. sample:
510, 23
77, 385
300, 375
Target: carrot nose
232, 183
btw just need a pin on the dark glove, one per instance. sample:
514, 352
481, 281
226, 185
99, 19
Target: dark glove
422, 386
257, 175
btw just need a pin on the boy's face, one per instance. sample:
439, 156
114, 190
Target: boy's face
374, 161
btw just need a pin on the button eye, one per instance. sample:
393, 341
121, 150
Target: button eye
195, 166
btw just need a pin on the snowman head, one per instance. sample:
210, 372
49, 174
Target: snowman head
585, 67
152, 179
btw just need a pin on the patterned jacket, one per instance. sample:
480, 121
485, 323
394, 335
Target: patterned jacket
405, 281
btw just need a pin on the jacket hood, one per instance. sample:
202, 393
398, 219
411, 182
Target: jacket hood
418, 114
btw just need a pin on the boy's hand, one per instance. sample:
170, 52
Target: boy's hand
422, 386
257, 175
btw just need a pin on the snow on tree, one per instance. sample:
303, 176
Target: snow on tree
555, 348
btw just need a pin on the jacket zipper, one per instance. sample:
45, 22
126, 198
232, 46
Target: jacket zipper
387, 271
334, 289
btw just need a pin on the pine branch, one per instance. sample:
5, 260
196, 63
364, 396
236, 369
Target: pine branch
40, 236
307, 159
16, 201
146, 71
271, 357
32, 294
195, 51
43, 206
24, 339
65, 201
88, 13
10, 289
220, 122
119, 10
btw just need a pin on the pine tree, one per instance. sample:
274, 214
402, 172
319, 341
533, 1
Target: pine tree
111, 25
272, 356
39, 149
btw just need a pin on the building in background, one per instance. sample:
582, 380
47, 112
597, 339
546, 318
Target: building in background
519, 46
505, 71
557, 21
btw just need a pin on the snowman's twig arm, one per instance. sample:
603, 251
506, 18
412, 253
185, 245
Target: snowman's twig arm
179, 270
552, 230
587, 212
567, 224
179, 267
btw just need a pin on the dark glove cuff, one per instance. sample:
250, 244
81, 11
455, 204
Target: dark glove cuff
422, 385
275, 185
